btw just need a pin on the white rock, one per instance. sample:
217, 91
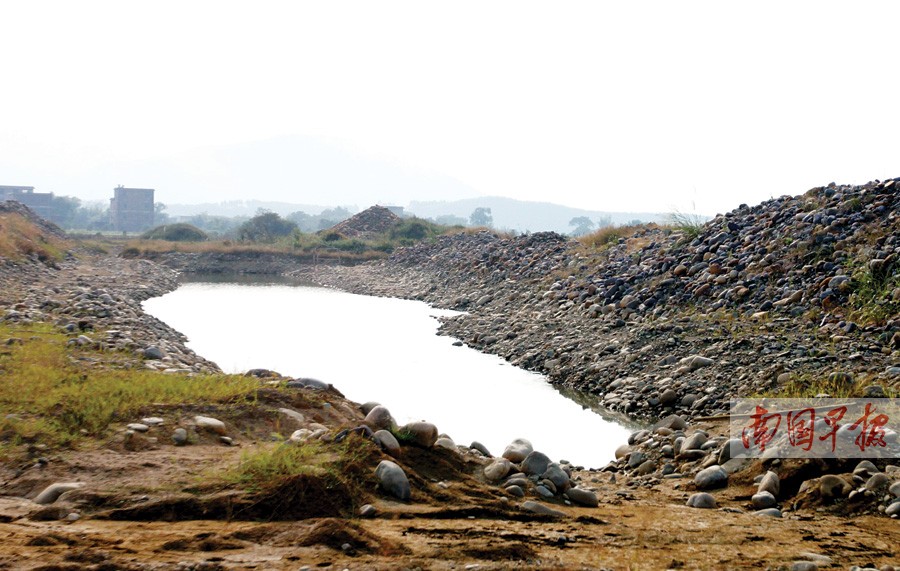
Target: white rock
211, 424
52, 492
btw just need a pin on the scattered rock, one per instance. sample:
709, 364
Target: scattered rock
582, 497
52, 492
518, 450
770, 483
763, 500
535, 463
387, 442
153, 353
423, 434
180, 437
711, 478
497, 469
541, 509
702, 500
379, 418
367, 510
210, 424
393, 479
831, 486
481, 448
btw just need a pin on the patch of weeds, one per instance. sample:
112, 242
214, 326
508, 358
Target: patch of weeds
308, 479
836, 384
854, 204
21, 238
610, 235
51, 398
689, 224
264, 468
872, 301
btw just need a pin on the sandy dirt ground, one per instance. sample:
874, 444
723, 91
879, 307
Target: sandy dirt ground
133, 516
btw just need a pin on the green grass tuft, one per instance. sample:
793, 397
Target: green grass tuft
47, 396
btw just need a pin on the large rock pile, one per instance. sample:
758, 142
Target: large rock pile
679, 320
705, 465
368, 224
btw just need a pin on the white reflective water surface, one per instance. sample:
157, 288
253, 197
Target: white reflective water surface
386, 350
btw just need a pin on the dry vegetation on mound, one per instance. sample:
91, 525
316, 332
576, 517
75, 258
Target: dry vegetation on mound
20, 238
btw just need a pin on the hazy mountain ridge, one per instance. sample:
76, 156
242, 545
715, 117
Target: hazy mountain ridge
233, 208
525, 216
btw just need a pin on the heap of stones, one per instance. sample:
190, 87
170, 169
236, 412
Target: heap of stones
369, 223
662, 322
704, 464
520, 472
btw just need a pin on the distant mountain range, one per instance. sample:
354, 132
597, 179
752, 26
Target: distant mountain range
524, 216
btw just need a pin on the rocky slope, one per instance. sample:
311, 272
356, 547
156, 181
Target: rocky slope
95, 297
798, 291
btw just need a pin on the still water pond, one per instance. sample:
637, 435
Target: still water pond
385, 350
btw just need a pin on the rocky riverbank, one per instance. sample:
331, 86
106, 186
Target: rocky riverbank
795, 292
97, 298
634, 323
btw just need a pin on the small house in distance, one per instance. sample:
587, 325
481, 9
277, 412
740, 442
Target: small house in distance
131, 209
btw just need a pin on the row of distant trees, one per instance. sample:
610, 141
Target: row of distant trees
72, 214
582, 225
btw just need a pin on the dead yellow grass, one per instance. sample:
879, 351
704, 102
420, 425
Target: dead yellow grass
20, 238
605, 237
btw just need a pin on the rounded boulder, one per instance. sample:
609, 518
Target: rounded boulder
393, 480
518, 450
497, 469
422, 434
702, 500
535, 463
711, 478
379, 418
387, 442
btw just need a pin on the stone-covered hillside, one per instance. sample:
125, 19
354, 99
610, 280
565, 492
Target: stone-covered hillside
797, 294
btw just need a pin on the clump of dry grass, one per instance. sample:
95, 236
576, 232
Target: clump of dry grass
605, 237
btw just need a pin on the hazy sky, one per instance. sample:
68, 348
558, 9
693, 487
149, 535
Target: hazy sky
604, 105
